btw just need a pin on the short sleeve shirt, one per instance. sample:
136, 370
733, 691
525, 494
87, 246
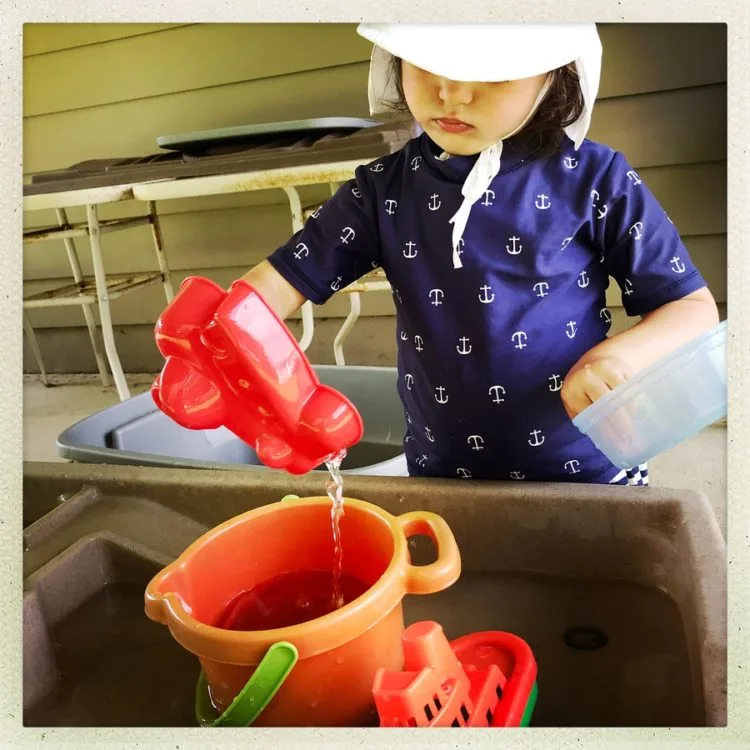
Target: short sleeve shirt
483, 349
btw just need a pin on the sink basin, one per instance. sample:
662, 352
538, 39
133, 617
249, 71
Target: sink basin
620, 592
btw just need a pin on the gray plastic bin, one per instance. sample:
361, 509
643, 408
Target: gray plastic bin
136, 432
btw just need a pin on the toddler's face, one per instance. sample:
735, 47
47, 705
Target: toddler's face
465, 118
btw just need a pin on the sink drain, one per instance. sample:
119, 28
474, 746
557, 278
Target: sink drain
585, 639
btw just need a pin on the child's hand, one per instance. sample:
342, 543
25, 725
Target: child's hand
586, 383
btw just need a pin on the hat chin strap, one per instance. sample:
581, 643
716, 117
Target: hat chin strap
483, 172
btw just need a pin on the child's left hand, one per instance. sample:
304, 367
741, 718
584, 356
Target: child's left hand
586, 383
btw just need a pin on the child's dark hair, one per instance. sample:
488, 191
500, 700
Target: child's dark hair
561, 107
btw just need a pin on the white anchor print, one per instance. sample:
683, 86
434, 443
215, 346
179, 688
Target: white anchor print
422, 460
570, 162
584, 280
463, 473
566, 242
374, 264
404, 337
418, 341
634, 178
410, 252
304, 251
601, 211
356, 193
514, 249
377, 167
495, 392
336, 285
408, 438
572, 466
436, 295
542, 202
409, 380
462, 349
441, 397
459, 249
677, 265
415, 162
487, 294
397, 294
637, 227
571, 333
519, 337
536, 442
435, 202
390, 206
541, 288
628, 287
556, 382
429, 434
476, 442
517, 475
347, 233
605, 315
408, 417
487, 201
316, 213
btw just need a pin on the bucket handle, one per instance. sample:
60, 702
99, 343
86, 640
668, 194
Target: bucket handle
428, 579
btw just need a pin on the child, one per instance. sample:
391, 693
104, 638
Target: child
498, 228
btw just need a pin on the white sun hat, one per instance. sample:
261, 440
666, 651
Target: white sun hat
485, 52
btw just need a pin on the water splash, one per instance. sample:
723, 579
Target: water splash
335, 490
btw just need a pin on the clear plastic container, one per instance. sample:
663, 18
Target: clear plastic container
662, 405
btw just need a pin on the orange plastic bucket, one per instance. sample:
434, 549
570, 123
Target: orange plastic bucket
339, 653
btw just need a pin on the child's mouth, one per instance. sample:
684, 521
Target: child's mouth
451, 125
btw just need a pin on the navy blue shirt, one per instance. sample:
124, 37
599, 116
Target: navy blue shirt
483, 349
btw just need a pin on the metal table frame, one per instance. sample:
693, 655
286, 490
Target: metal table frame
103, 287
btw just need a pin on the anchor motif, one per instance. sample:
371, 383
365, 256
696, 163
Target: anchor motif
437, 296
677, 265
390, 206
571, 334
566, 242
418, 341
377, 167
422, 460
409, 380
459, 250
536, 442
408, 417
476, 442
347, 233
304, 251
404, 337
556, 383
542, 201
463, 473
495, 391
572, 466
637, 226
316, 213
408, 438
487, 201
484, 296
570, 162
336, 285
541, 288
515, 249
356, 193
441, 396
415, 162
601, 258
408, 252
374, 264
601, 212
519, 337
634, 178
628, 287
397, 294
463, 349
517, 475
429, 435
435, 202
584, 281
605, 315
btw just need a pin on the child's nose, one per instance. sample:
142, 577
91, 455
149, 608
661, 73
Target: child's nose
455, 92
